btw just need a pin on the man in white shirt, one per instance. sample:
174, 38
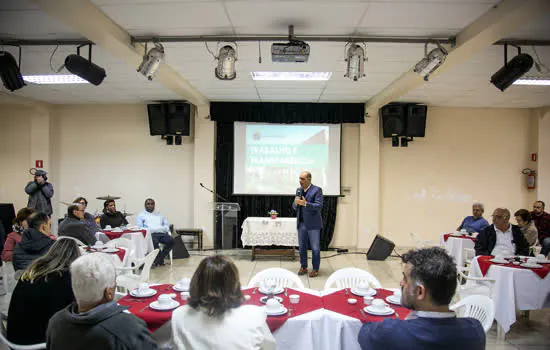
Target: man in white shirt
160, 230
501, 238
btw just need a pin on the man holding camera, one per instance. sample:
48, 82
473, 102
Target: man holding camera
40, 192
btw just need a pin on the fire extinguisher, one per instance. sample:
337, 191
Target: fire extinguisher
531, 178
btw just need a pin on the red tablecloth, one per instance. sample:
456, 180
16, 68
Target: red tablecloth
485, 264
338, 302
307, 304
153, 318
114, 235
120, 252
447, 235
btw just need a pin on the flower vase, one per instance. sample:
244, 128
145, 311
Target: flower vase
274, 216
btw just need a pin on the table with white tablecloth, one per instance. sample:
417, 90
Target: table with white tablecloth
455, 246
142, 245
258, 231
514, 289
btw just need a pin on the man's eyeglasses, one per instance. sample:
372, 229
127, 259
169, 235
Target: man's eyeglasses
535, 207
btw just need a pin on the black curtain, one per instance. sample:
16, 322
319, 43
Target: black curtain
225, 113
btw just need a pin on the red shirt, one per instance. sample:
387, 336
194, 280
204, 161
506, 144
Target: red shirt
542, 224
12, 239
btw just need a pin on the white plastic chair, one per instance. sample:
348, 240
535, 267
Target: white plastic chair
350, 277
132, 280
473, 285
467, 255
161, 246
5, 342
479, 307
282, 277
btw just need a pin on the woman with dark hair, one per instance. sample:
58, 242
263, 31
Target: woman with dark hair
20, 224
527, 226
214, 317
36, 242
43, 289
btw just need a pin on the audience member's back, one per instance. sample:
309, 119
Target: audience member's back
34, 243
424, 333
96, 321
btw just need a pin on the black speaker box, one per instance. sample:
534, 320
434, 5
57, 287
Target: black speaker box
393, 119
416, 120
380, 248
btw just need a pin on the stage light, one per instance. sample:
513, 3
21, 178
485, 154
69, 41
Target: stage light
85, 68
431, 61
9, 71
151, 61
512, 70
355, 58
226, 63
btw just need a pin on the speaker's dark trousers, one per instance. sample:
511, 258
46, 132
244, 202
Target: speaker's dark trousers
314, 238
167, 240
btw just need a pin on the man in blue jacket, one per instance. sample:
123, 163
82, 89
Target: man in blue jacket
428, 285
308, 204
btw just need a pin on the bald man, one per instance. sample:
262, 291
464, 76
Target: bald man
501, 238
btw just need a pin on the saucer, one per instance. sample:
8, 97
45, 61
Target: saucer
392, 300
281, 311
150, 292
498, 261
369, 293
387, 311
179, 288
264, 299
276, 290
543, 261
531, 266
155, 305
110, 250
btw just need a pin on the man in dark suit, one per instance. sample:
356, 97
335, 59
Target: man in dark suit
308, 204
428, 285
501, 238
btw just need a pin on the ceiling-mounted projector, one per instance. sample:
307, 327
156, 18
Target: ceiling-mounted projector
293, 51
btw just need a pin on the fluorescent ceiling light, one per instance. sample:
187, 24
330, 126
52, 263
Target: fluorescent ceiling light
54, 79
292, 76
532, 81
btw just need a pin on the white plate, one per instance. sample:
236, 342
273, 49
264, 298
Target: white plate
391, 300
110, 250
531, 266
264, 299
107, 229
275, 291
544, 261
498, 261
456, 234
372, 311
283, 311
370, 293
156, 306
150, 293
180, 289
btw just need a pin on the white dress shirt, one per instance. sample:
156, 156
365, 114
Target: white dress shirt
504, 245
154, 222
242, 328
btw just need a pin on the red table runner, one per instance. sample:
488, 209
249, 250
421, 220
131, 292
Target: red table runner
153, 318
120, 252
485, 264
307, 304
338, 302
114, 235
447, 235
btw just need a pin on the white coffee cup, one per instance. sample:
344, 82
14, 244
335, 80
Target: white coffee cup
294, 298
184, 295
541, 257
367, 300
397, 294
108, 227
379, 304
363, 287
272, 305
246, 297
143, 288
183, 283
531, 261
165, 300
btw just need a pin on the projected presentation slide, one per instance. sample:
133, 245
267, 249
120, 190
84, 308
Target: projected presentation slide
270, 157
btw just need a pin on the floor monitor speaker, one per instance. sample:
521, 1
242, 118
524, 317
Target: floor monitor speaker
380, 248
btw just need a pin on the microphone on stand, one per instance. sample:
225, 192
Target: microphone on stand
209, 190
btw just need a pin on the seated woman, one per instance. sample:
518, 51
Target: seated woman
20, 224
43, 289
214, 317
35, 242
527, 226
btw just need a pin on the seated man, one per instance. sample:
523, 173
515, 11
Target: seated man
501, 238
476, 222
35, 242
428, 285
96, 321
542, 222
73, 226
160, 230
89, 219
111, 217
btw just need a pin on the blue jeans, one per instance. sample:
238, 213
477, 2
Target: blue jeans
545, 246
313, 237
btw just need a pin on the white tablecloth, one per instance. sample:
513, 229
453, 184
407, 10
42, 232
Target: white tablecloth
266, 231
320, 330
454, 247
142, 245
514, 289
